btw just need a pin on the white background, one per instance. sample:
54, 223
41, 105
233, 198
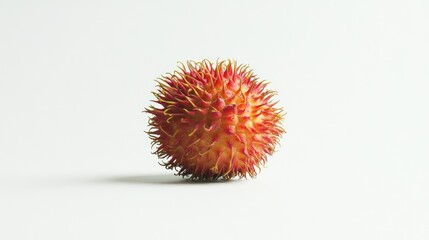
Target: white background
352, 75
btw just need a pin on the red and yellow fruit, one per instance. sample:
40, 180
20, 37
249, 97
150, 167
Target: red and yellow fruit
214, 121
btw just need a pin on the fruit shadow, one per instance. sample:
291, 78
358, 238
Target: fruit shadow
160, 179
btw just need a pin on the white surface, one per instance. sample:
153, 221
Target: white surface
75, 163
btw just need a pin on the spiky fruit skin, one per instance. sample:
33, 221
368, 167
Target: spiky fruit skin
214, 121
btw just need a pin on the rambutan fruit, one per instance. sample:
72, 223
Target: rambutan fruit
214, 121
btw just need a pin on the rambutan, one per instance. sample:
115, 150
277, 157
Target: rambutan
214, 121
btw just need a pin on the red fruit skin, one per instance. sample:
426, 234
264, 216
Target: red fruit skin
214, 121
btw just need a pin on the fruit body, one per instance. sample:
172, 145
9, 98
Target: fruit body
214, 121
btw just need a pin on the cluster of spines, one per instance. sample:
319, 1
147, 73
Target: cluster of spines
214, 121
